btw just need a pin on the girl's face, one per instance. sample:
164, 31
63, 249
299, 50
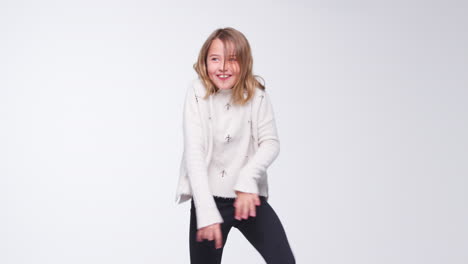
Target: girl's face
222, 71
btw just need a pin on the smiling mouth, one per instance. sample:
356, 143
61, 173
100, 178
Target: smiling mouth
223, 76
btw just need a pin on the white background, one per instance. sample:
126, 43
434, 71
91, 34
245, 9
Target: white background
371, 104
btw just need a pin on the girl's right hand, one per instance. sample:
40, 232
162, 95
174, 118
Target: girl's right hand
211, 232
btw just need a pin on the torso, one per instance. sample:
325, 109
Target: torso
232, 143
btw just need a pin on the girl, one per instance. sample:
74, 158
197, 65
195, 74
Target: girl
230, 139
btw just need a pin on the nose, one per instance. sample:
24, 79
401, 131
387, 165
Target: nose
223, 67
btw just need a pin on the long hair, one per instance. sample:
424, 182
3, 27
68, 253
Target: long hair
247, 82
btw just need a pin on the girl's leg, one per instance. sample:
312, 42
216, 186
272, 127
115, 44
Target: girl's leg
205, 252
266, 233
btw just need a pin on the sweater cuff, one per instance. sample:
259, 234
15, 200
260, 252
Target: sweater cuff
247, 185
207, 216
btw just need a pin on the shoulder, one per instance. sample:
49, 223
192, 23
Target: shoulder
197, 87
259, 95
259, 90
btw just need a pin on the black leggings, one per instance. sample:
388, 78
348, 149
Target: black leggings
265, 232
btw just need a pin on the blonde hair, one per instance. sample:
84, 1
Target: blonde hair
247, 82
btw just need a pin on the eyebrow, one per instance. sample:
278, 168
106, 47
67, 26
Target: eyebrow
232, 55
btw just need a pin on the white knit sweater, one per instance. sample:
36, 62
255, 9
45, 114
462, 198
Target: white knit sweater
204, 131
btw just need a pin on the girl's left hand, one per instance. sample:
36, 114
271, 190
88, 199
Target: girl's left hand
245, 205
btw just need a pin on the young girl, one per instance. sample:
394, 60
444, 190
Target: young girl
230, 139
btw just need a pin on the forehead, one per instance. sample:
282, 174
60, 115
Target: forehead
217, 47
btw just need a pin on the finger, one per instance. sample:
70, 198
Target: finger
210, 235
199, 236
245, 211
252, 209
237, 214
257, 200
218, 238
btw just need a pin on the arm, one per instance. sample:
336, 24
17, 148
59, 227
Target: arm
206, 211
268, 149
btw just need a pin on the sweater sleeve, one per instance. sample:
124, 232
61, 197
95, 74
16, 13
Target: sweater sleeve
268, 150
206, 211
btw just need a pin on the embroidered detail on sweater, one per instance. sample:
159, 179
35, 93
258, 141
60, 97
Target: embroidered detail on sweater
228, 138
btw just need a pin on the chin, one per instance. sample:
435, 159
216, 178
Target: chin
224, 85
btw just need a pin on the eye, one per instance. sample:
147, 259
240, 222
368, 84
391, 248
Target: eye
214, 59
232, 59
